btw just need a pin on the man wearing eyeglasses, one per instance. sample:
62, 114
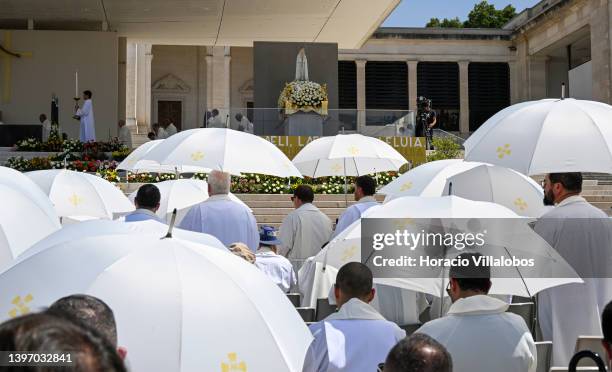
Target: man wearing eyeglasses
305, 230
582, 235
356, 338
477, 331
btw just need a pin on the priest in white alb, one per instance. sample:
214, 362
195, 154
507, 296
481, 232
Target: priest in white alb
357, 337
221, 217
478, 331
365, 188
85, 115
124, 135
582, 235
305, 230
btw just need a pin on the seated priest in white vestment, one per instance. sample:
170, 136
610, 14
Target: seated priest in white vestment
305, 230
86, 116
582, 235
477, 331
124, 135
221, 217
418, 353
244, 125
355, 338
275, 266
147, 203
365, 188
170, 128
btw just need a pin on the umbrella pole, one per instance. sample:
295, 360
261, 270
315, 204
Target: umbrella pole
345, 186
442, 288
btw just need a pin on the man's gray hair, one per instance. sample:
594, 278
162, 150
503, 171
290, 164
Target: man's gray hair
219, 182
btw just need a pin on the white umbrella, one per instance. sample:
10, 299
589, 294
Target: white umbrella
223, 149
545, 136
81, 194
470, 180
23, 222
134, 161
347, 246
21, 182
88, 229
181, 195
347, 155
178, 305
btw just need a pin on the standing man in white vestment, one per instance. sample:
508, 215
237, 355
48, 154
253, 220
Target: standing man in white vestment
124, 136
275, 266
477, 331
356, 338
306, 229
581, 234
46, 127
215, 120
365, 188
86, 116
221, 217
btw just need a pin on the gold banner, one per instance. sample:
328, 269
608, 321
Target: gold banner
412, 148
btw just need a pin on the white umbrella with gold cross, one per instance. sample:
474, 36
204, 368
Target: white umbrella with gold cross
473, 181
347, 155
546, 136
81, 194
222, 149
179, 306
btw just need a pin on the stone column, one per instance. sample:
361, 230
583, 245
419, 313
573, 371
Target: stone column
361, 95
143, 85
218, 82
536, 67
130, 84
601, 55
121, 78
464, 98
201, 86
209, 79
412, 84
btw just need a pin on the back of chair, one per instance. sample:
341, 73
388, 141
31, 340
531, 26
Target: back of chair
324, 308
527, 311
294, 298
307, 313
592, 343
544, 352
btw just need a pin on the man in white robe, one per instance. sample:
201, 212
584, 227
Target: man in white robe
46, 127
356, 338
477, 331
365, 188
147, 203
305, 230
86, 116
275, 266
160, 132
222, 217
244, 125
124, 135
215, 120
170, 128
582, 235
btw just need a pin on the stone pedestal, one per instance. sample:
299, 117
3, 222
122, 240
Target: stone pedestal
303, 124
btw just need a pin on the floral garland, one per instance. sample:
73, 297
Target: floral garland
303, 95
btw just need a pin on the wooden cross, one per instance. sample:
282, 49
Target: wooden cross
7, 54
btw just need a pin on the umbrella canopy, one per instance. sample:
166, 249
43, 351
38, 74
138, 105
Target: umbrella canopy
546, 136
347, 155
21, 182
346, 247
470, 180
134, 163
179, 306
23, 222
181, 194
81, 194
223, 149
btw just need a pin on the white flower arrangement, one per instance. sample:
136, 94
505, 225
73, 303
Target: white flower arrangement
303, 94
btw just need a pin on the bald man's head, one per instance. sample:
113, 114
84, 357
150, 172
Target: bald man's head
418, 353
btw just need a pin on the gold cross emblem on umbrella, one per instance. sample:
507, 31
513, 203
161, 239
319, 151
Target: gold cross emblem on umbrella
520, 204
75, 200
406, 186
232, 365
21, 307
503, 151
196, 156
